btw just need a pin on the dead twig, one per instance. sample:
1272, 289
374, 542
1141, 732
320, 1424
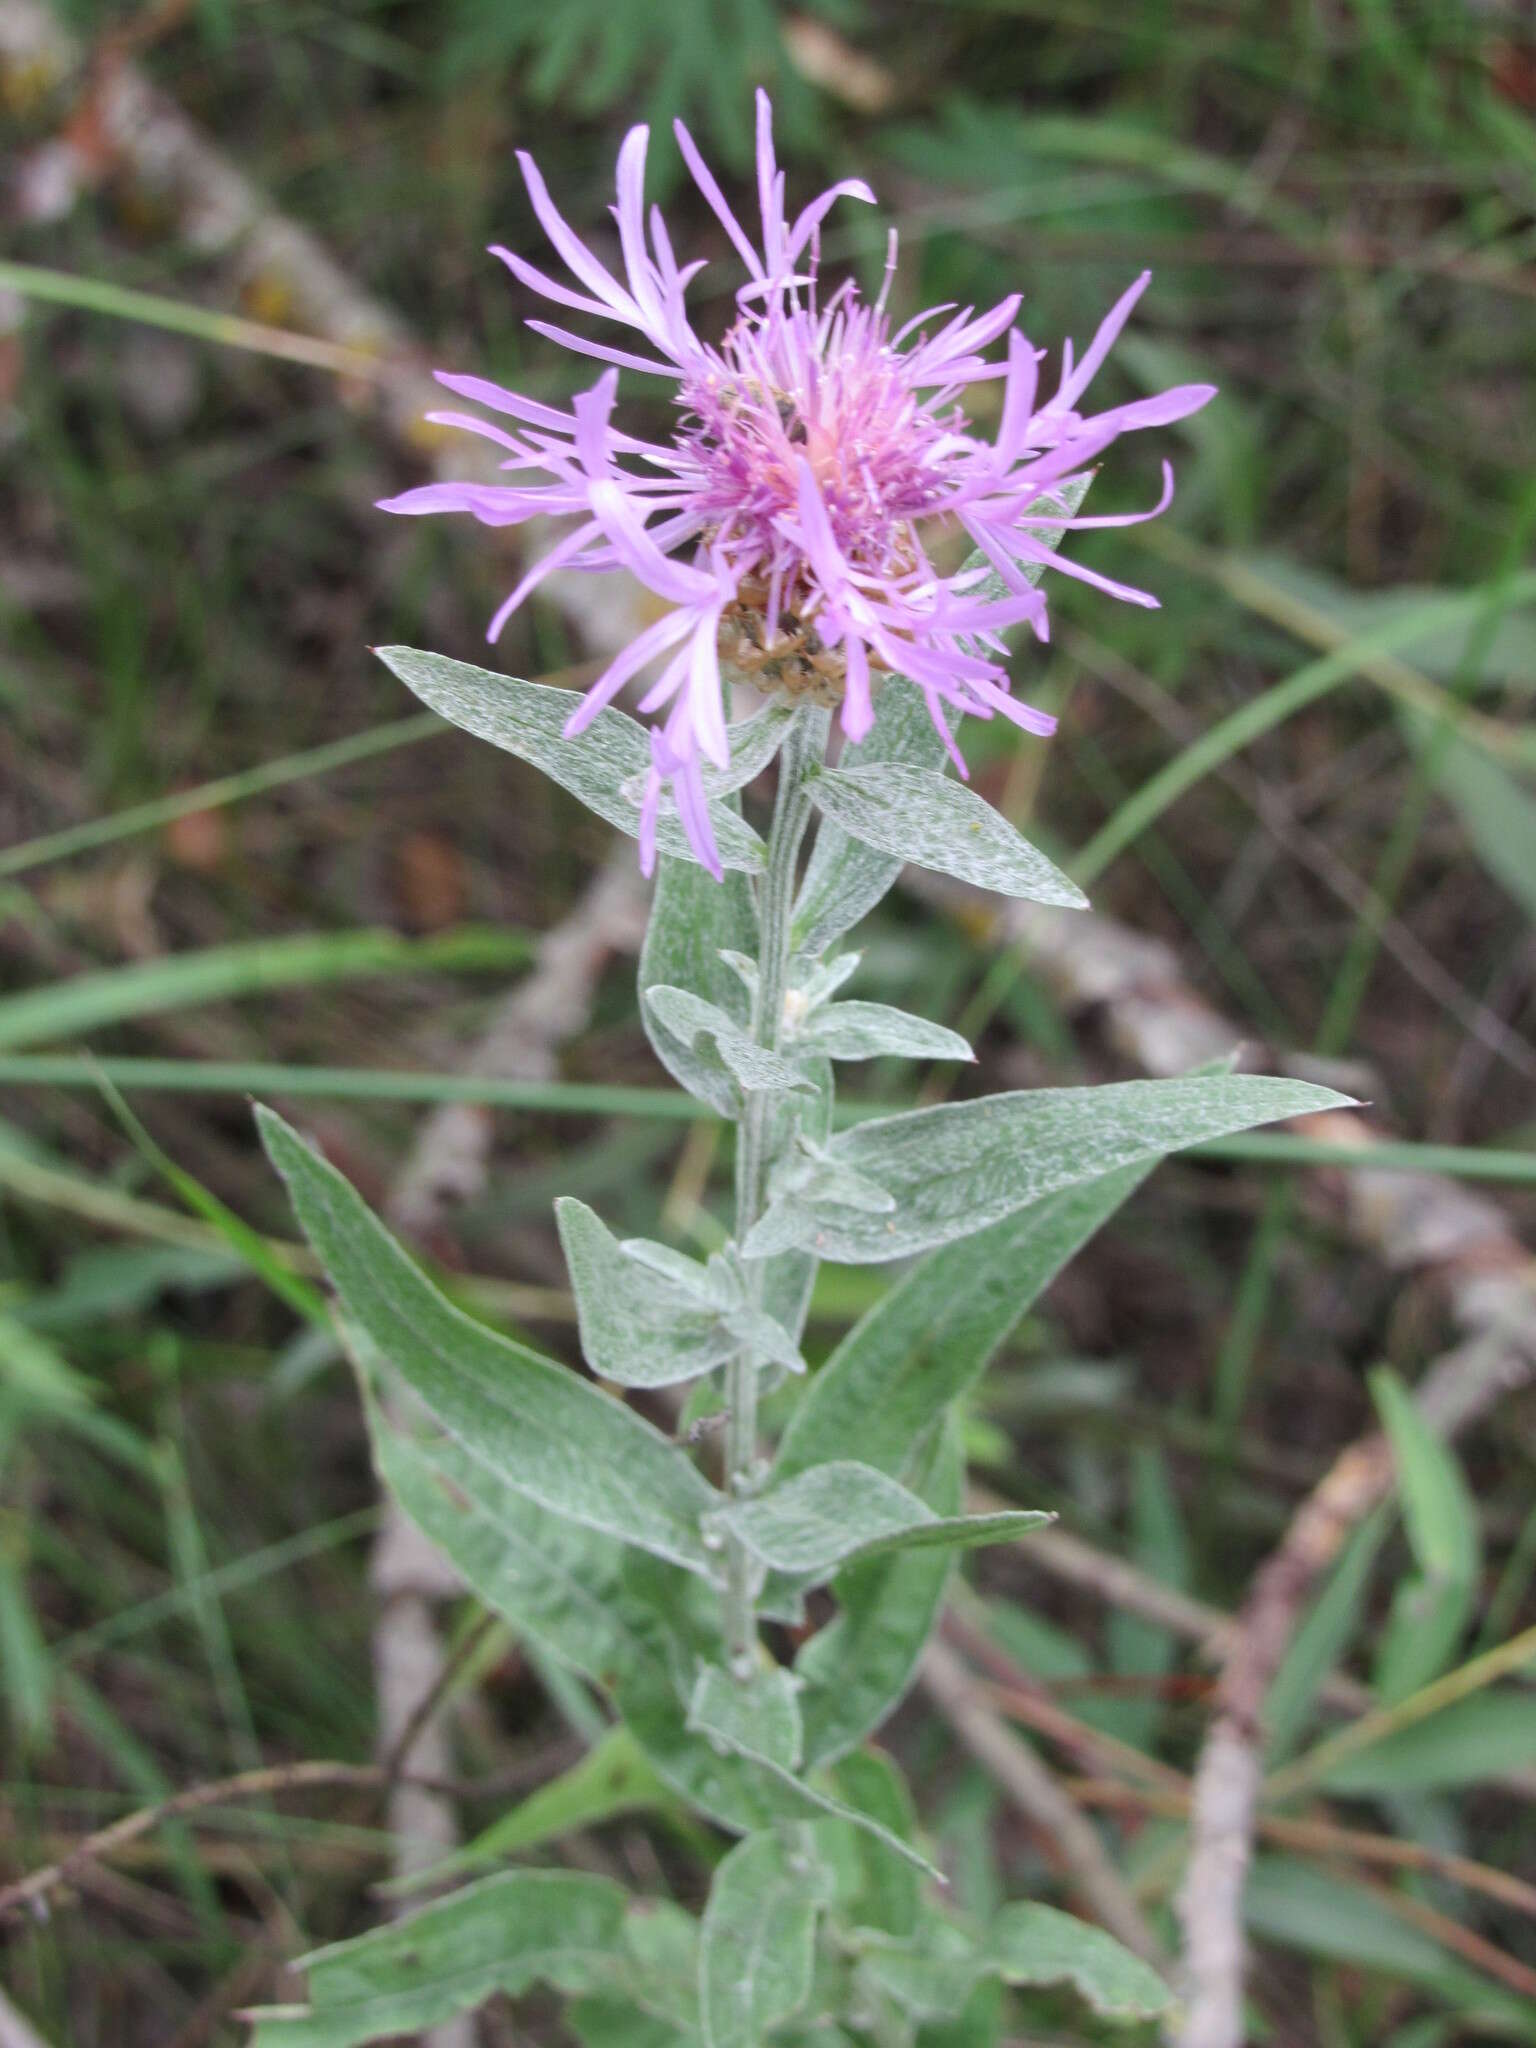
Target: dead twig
1032, 1790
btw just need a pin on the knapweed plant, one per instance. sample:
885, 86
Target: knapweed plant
831, 538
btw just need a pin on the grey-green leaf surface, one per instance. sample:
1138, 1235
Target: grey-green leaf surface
958, 1167
753, 743
844, 878
919, 815
757, 1953
693, 1019
867, 1031
1466, 1743
839, 1511
638, 1326
757, 1716
1026, 1945
929, 1338
553, 1580
694, 920
504, 1934
856, 1669
1031, 1944
604, 767
531, 1423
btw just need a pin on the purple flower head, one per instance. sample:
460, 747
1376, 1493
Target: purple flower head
815, 456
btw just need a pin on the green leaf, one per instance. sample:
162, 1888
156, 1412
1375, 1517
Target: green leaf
867, 1031
694, 921
555, 1581
1026, 1945
957, 1167
612, 1778
753, 743
841, 1511
614, 2023
857, 1668
758, 1949
888, 1892
1438, 1508
141, 988
528, 1421
723, 1773
1430, 1610
1324, 1635
504, 1934
928, 1340
1497, 812
638, 1326
919, 815
756, 1717
1030, 1944
605, 767
1304, 1908
1466, 1743
692, 1020
844, 878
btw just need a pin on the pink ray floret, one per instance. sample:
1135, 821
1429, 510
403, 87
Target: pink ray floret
814, 458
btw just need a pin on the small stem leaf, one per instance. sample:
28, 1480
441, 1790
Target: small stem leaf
694, 922
604, 767
692, 1019
1030, 1944
842, 1511
867, 1031
758, 1950
928, 1340
858, 1667
919, 815
958, 1167
506, 1933
639, 1326
845, 877
531, 1423
721, 1774
757, 1716
753, 743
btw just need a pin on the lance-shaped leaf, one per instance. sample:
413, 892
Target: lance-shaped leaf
553, 1580
758, 1948
757, 1716
958, 1167
724, 1773
1030, 1944
638, 1325
867, 1031
698, 1023
1026, 1945
541, 1429
856, 1669
928, 1340
845, 877
919, 815
753, 743
604, 767
842, 1511
504, 1934
694, 922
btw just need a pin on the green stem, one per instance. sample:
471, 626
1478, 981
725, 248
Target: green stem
776, 900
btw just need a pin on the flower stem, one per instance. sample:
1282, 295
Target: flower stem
760, 1129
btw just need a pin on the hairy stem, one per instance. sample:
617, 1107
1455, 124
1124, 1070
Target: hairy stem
759, 1124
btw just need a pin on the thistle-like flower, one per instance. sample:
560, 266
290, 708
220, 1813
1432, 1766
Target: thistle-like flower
816, 458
